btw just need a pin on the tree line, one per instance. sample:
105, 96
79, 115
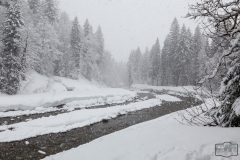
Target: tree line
36, 35
184, 59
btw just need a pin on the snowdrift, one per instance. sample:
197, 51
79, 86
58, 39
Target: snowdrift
42, 91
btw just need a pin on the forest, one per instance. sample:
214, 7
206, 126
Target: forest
46, 40
64, 96
36, 35
184, 59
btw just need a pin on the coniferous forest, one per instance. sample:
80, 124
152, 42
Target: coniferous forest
36, 35
64, 96
46, 40
184, 59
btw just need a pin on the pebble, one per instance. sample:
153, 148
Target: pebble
26, 142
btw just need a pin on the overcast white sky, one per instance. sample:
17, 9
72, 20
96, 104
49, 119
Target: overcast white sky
127, 24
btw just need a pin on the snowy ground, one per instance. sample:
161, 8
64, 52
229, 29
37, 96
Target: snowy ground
160, 139
68, 121
181, 90
166, 97
41, 91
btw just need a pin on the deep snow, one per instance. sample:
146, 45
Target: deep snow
166, 97
41, 91
160, 139
67, 121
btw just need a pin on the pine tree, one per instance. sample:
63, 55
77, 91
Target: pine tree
76, 43
34, 5
165, 62
155, 63
51, 10
222, 21
100, 45
197, 45
11, 56
130, 69
229, 95
89, 56
173, 41
189, 68
144, 66
65, 63
136, 62
86, 28
46, 48
181, 59
203, 59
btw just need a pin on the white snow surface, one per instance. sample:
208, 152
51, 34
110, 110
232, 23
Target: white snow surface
41, 91
181, 89
160, 139
67, 121
167, 97
71, 105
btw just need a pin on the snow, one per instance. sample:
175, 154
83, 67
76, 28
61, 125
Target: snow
67, 121
180, 89
160, 139
169, 98
44, 92
71, 105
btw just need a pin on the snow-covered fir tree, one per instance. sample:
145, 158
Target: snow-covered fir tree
173, 41
130, 69
34, 5
182, 59
11, 57
89, 54
99, 45
165, 62
197, 39
155, 63
51, 10
223, 26
76, 44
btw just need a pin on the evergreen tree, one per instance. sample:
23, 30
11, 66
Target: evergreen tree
229, 95
100, 45
155, 63
165, 62
47, 48
11, 69
189, 68
182, 59
51, 10
66, 62
89, 54
34, 5
203, 59
144, 66
222, 21
130, 68
197, 45
76, 44
136, 62
173, 41
86, 28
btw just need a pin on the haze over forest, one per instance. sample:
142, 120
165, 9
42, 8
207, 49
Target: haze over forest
128, 24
